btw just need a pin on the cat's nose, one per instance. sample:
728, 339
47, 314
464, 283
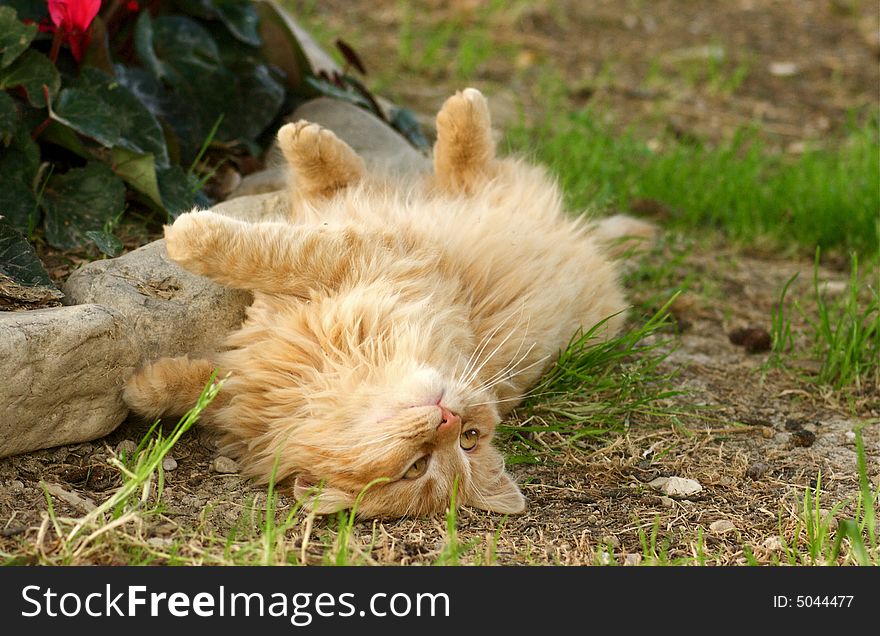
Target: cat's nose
449, 420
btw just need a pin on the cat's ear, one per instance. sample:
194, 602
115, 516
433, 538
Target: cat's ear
321, 500
501, 495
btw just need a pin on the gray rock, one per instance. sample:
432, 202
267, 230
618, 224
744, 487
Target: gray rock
381, 147
225, 465
62, 373
167, 310
169, 463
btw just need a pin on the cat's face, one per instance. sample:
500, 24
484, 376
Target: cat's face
409, 434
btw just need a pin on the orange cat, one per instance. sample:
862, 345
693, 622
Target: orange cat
393, 324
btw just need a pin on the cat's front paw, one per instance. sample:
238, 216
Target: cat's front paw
193, 237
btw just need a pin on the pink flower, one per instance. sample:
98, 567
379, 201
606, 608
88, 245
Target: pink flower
72, 19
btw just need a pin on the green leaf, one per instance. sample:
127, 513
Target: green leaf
405, 123
178, 191
17, 203
9, 118
239, 17
181, 53
22, 277
34, 10
20, 157
88, 114
32, 71
106, 242
322, 87
19, 162
80, 200
66, 137
138, 171
99, 107
15, 36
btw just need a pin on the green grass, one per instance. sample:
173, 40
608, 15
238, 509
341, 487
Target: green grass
824, 197
595, 388
814, 541
846, 333
842, 335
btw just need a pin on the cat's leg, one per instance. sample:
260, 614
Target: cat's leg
278, 257
168, 386
321, 163
464, 153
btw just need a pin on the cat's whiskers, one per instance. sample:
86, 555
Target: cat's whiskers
512, 375
475, 373
505, 371
479, 348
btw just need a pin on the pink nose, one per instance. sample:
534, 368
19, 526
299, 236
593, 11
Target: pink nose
450, 419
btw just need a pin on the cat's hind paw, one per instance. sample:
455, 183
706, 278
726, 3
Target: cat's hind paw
322, 163
168, 386
464, 150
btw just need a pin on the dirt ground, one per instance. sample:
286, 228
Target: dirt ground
760, 436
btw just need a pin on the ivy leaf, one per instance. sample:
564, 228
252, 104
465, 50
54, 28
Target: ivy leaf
80, 200
22, 277
239, 17
33, 10
106, 242
32, 70
323, 87
178, 191
405, 123
88, 114
138, 171
9, 118
181, 53
99, 107
15, 36
19, 162
17, 203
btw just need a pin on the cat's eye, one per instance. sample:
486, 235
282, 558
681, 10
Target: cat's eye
417, 469
469, 438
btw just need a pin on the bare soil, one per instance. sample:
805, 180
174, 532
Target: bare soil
760, 436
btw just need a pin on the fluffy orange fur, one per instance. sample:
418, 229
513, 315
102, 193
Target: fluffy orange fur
394, 324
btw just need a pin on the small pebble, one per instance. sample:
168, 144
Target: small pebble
773, 544
632, 559
611, 540
804, 439
793, 425
225, 466
159, 542
767, 432
16, 487
169, 463
757, 470
126, 447
721, 526
667, 501
850, 436
783, 69
676, 486
754, 339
